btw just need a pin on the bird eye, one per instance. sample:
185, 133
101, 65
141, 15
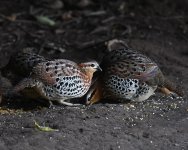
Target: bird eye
92, 65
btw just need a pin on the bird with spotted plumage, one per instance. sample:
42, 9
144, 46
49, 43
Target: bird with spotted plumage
54, 80
128, 75
23, 61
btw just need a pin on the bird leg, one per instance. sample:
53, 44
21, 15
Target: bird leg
165, 91
67, 103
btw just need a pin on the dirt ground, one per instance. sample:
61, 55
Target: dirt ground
157, 28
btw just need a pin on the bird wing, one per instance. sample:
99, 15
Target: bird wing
118, 55
132, 69
50, 72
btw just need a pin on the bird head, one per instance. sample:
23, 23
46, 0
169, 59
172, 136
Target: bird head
90, 67
94, 94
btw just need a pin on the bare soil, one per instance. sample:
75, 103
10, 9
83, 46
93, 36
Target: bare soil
157, 28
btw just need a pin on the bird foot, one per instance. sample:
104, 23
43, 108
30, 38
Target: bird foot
50, 105
169, 93
174, 95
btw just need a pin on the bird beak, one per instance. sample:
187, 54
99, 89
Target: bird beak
99, 68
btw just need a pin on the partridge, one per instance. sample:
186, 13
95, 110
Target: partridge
55, 80
128, 75
23, 62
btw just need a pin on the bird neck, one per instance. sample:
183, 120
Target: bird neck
89, 74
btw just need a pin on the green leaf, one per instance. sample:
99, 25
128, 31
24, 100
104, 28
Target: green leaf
45, 20
43, 128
